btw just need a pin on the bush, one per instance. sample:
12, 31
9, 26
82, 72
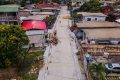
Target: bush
12, 40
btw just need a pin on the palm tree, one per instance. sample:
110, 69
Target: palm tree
97, 71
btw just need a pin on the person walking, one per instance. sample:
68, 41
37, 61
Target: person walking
60, 22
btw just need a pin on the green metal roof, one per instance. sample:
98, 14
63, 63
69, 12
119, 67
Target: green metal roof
9, 8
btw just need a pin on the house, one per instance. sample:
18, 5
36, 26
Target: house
49, 9
36, 32
47, 5
24, 13
9, 14
100, 43
36, 38
87, 16
35, 17
50, 17
43, 13
55, 8
100, 31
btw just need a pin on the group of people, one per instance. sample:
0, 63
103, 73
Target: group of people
53, 39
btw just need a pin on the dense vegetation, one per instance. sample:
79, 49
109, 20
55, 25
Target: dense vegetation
56, 1
91, 6
12, 40
97, 71
16, 61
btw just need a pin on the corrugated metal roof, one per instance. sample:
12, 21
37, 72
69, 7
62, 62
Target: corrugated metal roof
34, 25
9, 8
94, 24
35, 17
109, 33
43, 13
101, 49
51, 8
91, 14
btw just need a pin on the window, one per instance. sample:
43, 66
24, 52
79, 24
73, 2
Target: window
88, 19
116, 68
32, 45
95, 19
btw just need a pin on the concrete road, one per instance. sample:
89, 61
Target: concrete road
63, 60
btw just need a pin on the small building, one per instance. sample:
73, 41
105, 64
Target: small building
47, 5
55, 8
24, 13
100, 31
49, 9
86, 16
35, 17
36, 38
36, 31
9, 14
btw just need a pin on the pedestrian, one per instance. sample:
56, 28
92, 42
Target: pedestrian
55, 33
47, 70
60, 21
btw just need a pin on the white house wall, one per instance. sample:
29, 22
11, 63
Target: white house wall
38, 40
93, 18
35, 32
36, 37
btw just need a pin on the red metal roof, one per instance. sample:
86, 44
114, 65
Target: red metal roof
36, 24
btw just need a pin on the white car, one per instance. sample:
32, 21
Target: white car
113, 67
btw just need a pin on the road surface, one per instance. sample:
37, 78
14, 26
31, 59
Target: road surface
63, 62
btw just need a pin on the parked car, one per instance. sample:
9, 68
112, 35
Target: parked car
112, 67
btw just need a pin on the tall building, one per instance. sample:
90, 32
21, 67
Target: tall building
9, 14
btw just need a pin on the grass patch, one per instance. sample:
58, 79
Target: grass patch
31, 66
28, 70
35, 54
29, 77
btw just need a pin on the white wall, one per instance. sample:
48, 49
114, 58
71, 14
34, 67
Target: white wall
37, 37
38, 40
99, 18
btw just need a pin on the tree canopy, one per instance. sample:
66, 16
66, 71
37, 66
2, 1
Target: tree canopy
91, 6
56, 1
12, 40
98, 71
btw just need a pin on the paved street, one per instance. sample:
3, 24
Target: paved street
63, 60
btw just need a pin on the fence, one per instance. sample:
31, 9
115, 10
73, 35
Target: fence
75, 47
44, 71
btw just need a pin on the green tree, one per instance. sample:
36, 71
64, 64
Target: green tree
23, 2
36, 1
50, 19
91, 6
56, 1
12, 40
97, 71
